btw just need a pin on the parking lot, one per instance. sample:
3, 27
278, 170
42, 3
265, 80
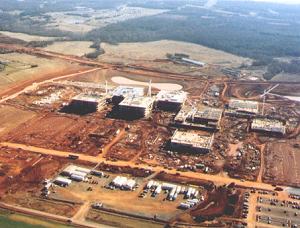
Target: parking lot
278, 213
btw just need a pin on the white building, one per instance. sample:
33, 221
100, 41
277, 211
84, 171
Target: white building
136, 106
268, 126
170, 100
191, 142
122, 92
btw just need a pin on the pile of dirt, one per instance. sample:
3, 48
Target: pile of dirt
221, 201
126, 169
162, 176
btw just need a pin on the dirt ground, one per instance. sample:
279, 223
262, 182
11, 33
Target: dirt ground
72, 133
21, 176
282, 163
11, 117
23, 68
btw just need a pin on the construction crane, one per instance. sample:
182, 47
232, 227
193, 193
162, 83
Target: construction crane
266, 92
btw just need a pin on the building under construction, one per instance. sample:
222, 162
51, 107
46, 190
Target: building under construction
85, 103
170, 100
268, 126
242, 108
122, 92
191, 142
204, 118
136, 107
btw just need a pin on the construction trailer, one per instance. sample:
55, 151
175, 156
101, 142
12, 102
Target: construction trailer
62, 181
242, 108
136, 107
122, 92
123, 183
203, 118
170, 100
187, 141
73, 169
268, 126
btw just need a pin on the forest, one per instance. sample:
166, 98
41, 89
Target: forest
256, 30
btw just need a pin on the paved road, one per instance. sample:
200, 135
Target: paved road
215, 178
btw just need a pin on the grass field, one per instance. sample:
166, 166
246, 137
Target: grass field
287, 77
26, 37
23, 67
14, 220
78, 48
149, 51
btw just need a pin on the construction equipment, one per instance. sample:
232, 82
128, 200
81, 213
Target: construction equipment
266, 92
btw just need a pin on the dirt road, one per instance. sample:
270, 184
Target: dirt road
216, 179
48, 216
35, 85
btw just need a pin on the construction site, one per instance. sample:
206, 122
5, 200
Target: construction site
81, 149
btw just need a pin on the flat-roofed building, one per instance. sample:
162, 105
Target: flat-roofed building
204, 118
136, 107
191, 142
170, 100
242, 108
269, 126
122, 92
85, 103
245, 106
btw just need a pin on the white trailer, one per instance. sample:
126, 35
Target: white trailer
149, 184
62, 181
158, 189
129, 184
167, 186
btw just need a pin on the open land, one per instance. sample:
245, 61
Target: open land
85, 19
26, 37
240, 166
150, 51
78, 48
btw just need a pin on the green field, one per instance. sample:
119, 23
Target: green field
14, 220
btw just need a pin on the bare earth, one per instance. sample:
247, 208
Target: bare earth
19, 68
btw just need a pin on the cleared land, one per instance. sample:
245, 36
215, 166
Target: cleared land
282, 163
150, 51
11, 117
23, 67
26, 37
78, 48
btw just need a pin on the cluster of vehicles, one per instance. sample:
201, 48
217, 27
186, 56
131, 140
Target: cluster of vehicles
172, 192
245, 205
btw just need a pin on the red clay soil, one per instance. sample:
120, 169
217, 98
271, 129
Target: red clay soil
133, 171
219, 202
162, 176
